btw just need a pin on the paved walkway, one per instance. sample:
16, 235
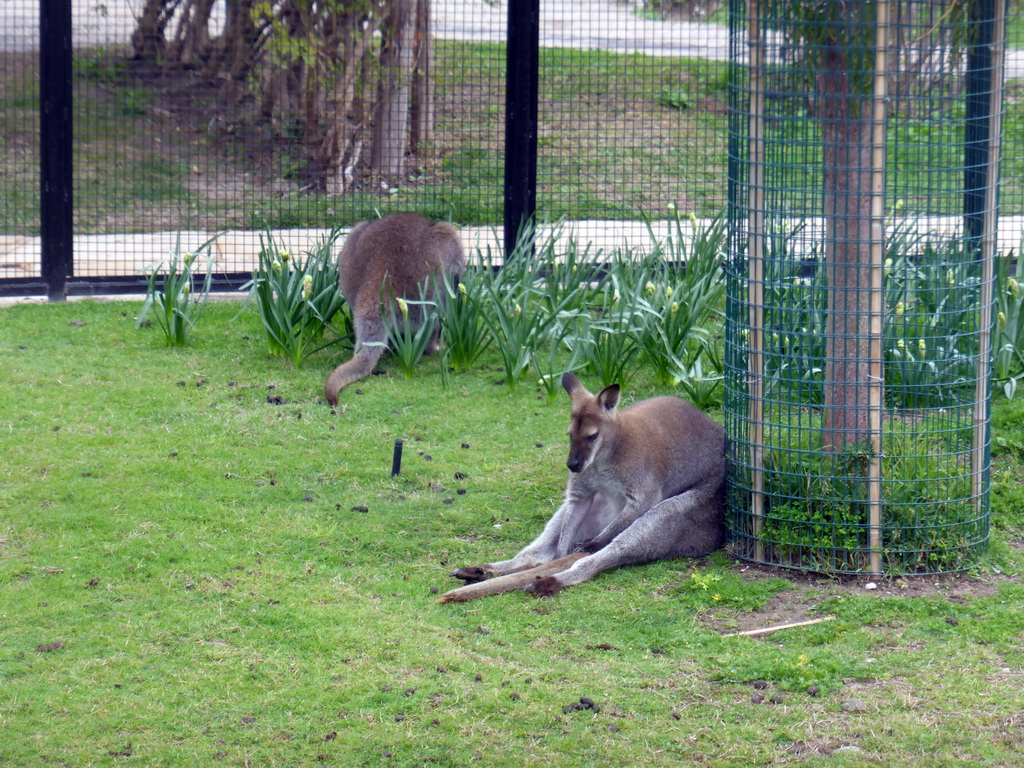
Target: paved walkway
237, 251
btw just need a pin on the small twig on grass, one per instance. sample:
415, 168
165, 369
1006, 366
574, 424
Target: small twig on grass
769, 630
509, 581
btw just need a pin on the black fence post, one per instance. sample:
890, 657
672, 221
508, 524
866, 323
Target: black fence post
55, 169
521, 118
978, 151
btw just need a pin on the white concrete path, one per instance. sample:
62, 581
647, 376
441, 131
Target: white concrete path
237, 251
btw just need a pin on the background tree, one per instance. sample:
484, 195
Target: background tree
836, 41
349, 76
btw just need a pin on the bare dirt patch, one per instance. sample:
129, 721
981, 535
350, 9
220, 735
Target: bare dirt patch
807, 591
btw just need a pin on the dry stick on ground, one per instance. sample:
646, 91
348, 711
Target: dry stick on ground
769, 630
509, 581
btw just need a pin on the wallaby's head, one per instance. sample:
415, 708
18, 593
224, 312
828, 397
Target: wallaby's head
593, 421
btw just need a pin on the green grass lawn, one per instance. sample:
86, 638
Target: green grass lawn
202, 564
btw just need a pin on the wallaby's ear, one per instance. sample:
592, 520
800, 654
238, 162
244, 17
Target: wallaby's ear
608, 397
570, 383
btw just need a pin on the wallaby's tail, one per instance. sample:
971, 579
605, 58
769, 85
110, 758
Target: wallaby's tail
366, 356
358, 367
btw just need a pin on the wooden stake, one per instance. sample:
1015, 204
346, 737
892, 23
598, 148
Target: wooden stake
509, 581
778, 627
876, 374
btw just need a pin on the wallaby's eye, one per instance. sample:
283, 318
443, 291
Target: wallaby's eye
593, 437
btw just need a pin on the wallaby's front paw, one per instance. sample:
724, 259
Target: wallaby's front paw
590, 547
543, 586
472, 575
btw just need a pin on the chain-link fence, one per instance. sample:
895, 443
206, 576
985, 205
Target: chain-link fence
205, 117
860, 297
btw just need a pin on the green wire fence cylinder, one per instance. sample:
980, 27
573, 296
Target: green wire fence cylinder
864, 157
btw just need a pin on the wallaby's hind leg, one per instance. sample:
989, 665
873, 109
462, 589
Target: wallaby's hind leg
687, 525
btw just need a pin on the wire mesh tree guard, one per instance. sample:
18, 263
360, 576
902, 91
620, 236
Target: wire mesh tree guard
864, 158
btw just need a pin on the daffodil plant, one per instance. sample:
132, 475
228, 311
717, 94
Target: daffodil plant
171, 296
298, 298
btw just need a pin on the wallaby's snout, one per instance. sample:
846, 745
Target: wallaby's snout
592, 417
575, 462
584, 437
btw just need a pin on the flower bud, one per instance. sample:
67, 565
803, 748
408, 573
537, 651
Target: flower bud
1014, 288
403, 307
307, 287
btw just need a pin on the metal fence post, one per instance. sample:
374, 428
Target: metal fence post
55, 167
981, 209
521, 91
979, 80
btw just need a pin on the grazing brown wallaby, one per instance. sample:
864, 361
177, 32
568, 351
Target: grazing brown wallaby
384, 260
646, 483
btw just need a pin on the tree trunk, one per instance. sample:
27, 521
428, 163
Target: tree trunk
341, 149
391, 126
843, 112
421, 111
148, 38
192, 41
316, 67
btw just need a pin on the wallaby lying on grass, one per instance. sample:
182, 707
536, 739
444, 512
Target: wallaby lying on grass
394, 257
647, 484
